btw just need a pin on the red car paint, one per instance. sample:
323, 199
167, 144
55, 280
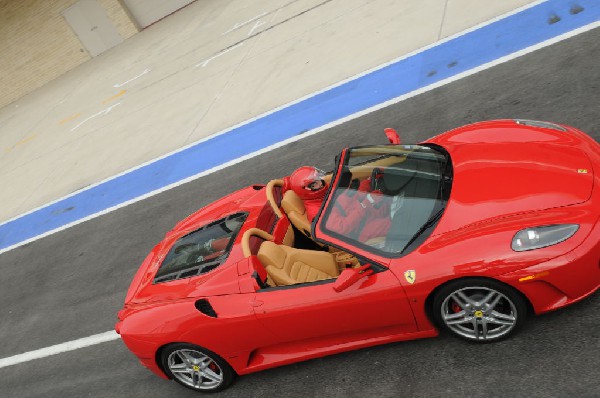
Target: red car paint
507, 176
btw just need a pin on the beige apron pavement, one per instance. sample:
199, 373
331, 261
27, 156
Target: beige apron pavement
213, 65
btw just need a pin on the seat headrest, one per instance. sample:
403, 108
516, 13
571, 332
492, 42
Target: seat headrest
292, 202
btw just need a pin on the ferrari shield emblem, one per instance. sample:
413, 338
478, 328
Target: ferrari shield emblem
410, 276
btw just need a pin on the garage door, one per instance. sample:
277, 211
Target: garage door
146, 12
91, 24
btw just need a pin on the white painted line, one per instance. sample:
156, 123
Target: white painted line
59, 348
132, 79
224, 131
228, 129
239, 25
102, 112
292, 139
205, 62
256, 26
111, 335
242, 24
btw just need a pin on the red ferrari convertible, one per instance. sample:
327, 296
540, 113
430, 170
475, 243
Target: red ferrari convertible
468, 232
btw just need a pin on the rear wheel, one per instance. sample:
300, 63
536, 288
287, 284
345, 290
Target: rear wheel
197, 368
479, 310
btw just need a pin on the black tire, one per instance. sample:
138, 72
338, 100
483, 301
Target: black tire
196, 368
479, 310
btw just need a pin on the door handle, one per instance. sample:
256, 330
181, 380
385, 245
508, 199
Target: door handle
257, 303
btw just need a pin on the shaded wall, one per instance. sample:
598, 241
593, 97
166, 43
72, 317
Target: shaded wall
37, 44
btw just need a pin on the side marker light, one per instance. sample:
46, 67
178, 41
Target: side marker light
534, 276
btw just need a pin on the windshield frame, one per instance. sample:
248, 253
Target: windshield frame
328, 236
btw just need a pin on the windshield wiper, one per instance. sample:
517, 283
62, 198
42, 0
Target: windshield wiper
432, 220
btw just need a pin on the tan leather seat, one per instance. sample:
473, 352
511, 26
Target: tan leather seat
288, 266
296, 212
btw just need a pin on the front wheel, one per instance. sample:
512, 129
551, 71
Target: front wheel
197, 368
479, 310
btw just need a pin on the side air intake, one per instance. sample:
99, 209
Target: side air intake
204, 307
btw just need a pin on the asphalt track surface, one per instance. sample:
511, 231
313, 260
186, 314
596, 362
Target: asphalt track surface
71, 284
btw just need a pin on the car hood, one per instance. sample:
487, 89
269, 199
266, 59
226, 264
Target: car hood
492, 180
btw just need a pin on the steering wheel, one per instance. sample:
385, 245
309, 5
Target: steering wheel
271, 196
250, 233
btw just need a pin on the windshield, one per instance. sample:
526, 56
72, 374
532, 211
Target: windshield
200, 251
388, 198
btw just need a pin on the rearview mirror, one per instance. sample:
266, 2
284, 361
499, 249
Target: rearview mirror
392, 136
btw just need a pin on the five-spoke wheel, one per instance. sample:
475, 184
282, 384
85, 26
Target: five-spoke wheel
479, 310
197, 368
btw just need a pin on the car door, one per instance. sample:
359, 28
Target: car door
375, 305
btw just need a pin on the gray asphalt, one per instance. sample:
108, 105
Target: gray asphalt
71, 284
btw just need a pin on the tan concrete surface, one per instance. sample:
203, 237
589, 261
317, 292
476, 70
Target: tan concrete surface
199, 71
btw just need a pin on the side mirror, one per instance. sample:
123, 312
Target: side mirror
392, 136
350, 276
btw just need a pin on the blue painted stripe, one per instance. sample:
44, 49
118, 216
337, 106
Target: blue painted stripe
499, 39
